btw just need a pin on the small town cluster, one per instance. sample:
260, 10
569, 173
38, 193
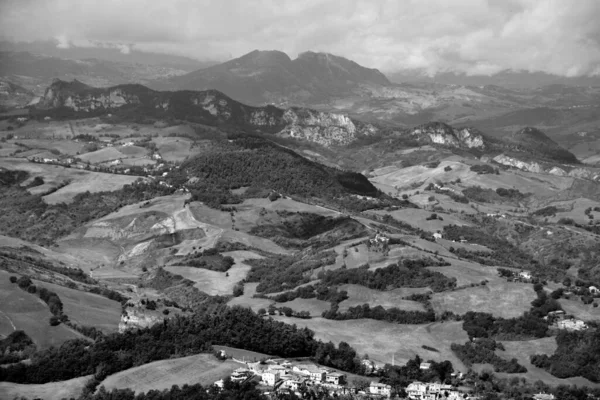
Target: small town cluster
281, 376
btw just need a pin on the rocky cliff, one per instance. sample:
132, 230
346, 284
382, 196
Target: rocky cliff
440, 133
545, 168
209, 107
136, 317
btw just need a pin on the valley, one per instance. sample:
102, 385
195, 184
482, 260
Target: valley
143, 230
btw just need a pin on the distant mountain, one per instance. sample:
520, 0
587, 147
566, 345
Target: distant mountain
262, 77
507, 79
209, 107
12, 95
35, 72
104, 52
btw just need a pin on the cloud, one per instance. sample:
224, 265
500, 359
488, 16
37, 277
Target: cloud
471, 36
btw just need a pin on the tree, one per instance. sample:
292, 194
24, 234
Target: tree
13, 279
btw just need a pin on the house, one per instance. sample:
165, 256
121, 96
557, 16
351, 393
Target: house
572, 324
543, 396
270, 377
594, 290
438, 388
369, 366
425, 365
525, 275
335, 378
437, 235
317, 375
240, 375
380, 389
416, 390
293, 384
219, 383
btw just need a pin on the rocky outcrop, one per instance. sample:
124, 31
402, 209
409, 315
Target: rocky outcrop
135, 318
440, 133
516, 163
532, 166
210, 107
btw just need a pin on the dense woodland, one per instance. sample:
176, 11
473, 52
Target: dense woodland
179, 337
209, 259
406, 273
482, 351
390, 315
578, 354
15, 347
268, 166
280, 272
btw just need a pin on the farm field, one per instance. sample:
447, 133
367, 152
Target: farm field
380, 339
174, 149
314, 306
467, 273
359, 295
246, 300
47, 391
586, 312
159, 375
217, 283
418, 218
20, 310
242, 353
502, 299
55, 175
87, 309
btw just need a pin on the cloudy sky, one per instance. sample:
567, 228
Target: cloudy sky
473, 36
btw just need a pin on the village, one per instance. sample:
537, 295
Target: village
276, 376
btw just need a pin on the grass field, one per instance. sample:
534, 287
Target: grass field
359, 295
87, 309
25, 311
68, 147
217, 283
502, 299
47, 391
313, 306
246, 300
380, 340
201, 368
174, 149
240, 354
92, 182
586, 312
418, 218
467, 273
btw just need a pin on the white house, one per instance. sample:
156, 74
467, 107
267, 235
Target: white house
572, 324
335, 378
525, 275
380, 389
416, 390
270, 377
425, 365
543, 396
437, 235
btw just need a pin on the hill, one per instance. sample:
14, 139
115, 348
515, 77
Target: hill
537, 143
261, 77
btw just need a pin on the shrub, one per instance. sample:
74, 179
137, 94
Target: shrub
24, 282
54, 320
447, 168
31, 289
13, 279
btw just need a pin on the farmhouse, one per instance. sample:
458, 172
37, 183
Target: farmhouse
594, 290
270, 377
335, 378
380, 389
572, 324
425, 365
525, 275
437, 235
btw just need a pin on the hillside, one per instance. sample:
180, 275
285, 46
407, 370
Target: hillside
537, 143
261, 77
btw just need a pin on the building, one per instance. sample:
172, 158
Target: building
416, 390
317, 375
594, 290
543, 396
335, 378
437, 235
380, 389
240, 375
425, 365
270, 377
525, 275
572, 324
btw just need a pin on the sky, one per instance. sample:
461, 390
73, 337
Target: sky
472, 36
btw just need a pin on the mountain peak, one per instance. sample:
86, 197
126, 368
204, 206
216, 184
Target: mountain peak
264, 58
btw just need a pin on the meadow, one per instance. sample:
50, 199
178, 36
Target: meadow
47, 391
201, 368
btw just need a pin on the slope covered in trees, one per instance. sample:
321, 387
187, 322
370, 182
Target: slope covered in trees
261, 165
